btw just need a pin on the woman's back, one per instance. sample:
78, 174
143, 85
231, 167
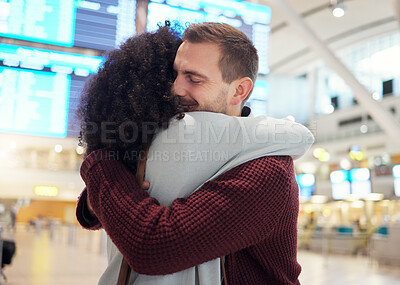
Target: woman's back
196, 149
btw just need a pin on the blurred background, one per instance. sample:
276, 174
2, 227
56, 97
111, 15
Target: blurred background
330, 65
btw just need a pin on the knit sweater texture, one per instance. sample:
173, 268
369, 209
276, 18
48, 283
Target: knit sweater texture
249, 214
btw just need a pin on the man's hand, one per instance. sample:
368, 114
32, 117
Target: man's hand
140, 173
141, 170
89, 206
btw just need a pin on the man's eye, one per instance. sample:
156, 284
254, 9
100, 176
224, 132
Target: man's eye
194, 80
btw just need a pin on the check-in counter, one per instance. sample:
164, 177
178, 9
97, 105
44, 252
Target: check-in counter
341, 240
385, 245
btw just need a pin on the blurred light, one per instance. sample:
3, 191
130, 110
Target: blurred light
355, 148
318, 152
319, 199
325, 157
339, 176
58, 148
374, 197
364, 129
338, 12
337, 8
377, 161
80, 150
306, 180
396, 171
356, 155
357, 204
13, 144
376, 96
352, 197
345, 164
307, 167
386, 159
49, 191
360, 174
309, 210
326, 212
329, 109
321, 154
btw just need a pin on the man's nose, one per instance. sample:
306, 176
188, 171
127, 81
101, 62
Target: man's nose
177, 87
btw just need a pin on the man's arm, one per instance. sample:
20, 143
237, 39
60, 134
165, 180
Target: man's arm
237, 210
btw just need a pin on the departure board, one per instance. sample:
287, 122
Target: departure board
258, 99
104, 24
100, 25
33, 102
40, 90
46, 21
250, 18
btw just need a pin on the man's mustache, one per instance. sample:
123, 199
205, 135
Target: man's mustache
187, 103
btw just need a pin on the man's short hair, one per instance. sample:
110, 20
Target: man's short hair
238, 55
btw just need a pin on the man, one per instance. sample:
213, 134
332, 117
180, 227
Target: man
249, 214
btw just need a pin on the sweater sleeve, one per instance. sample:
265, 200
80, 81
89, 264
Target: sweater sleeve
85, 218
237, 210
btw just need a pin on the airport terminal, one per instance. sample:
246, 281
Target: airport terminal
330, 65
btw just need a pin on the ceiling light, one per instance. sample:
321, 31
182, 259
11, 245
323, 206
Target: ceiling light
364, 129
376, 96
58, 148
337, 8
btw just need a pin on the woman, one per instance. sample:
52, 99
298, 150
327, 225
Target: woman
128, 105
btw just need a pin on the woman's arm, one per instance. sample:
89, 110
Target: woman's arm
237, 210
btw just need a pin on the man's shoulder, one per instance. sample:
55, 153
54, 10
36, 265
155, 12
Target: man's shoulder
280, 161
279, 167
267, 166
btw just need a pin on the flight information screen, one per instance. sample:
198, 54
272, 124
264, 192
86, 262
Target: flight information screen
250, 18
33, 102
40, 90
104, 24
101, 24
47, 21
259, 98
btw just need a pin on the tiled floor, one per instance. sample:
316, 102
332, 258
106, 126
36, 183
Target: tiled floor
74, 256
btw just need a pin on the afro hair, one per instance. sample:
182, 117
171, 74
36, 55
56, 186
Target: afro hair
130, 97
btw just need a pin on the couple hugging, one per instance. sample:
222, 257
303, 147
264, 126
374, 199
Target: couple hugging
226, 219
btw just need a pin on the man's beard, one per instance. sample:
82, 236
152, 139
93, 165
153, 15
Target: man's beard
219, 105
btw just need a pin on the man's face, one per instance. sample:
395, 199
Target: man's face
199, 83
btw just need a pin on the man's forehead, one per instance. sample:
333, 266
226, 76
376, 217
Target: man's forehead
197, 57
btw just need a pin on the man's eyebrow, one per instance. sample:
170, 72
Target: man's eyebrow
197, 74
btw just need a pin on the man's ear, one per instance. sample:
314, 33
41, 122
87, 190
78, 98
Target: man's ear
242, 88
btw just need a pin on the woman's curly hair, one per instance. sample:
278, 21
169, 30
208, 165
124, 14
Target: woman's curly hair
130, 97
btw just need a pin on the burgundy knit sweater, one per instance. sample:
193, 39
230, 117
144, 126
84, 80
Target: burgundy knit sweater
249, 214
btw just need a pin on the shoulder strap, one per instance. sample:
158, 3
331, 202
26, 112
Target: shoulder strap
223, 270
124, 273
